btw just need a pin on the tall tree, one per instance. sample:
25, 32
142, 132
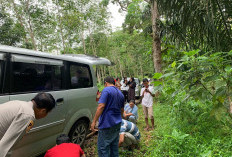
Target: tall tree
154, 17
10, 33
156, 45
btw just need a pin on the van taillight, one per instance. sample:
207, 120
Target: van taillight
98, 95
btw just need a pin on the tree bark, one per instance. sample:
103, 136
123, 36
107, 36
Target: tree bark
120, 68
101, 73
20, 19
31, 31
61, 27
156, 45
92, 44
141, 67
83, 41
98, 75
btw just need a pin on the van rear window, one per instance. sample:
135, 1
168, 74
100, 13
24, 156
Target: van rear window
35, 77
80, 76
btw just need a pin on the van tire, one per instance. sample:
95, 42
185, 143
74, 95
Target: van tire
78, 132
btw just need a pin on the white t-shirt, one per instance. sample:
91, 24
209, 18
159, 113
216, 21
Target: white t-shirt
124, 87
147, 99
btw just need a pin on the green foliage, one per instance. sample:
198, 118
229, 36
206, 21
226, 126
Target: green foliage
202, 77
133, 17
100, 87
192, 115
197, 24
10, 33
56, 25
157, 76
127, 51
187, 129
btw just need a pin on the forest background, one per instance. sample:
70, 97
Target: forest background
184, 45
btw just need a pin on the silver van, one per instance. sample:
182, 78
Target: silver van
69, 78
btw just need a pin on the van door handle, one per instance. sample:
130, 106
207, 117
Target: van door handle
60, 101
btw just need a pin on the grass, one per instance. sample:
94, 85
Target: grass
148, 141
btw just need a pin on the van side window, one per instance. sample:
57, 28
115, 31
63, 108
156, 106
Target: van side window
35, 77
80, 76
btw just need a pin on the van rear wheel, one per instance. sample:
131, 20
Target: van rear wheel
79, 132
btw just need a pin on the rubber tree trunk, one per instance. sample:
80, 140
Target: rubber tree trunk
156, 45
31, 31
120, 68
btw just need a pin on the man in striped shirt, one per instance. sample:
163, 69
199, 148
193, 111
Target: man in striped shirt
129, 134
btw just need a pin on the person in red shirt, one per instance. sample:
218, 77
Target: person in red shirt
65, 148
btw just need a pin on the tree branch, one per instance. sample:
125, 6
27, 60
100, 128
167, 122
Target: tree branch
223, 19
124, 8
148, 1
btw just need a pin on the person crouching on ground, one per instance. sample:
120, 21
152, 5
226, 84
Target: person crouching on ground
129, 134
147, 102
64, 147
131, 112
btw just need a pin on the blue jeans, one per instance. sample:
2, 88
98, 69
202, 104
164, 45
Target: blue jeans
108, 141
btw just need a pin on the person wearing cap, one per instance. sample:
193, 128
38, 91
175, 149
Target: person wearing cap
129, 134
17, 118
64, 147
131, 112
147, 94
110, 110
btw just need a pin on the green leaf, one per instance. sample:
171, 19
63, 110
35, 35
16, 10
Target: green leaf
167, 75
157, 76
228, 68
221, 91
183, 136
192, 53
174, 64
230, 53
157, 83
157, 88
211, 78
219, 83
202, 58
207, 154
175, 133
179, 65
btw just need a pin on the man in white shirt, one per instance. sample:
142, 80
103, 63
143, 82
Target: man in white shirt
17, 118
147, 94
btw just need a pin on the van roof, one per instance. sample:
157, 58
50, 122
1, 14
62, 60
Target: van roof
80, 58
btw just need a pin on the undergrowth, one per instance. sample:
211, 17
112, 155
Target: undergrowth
191, 131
